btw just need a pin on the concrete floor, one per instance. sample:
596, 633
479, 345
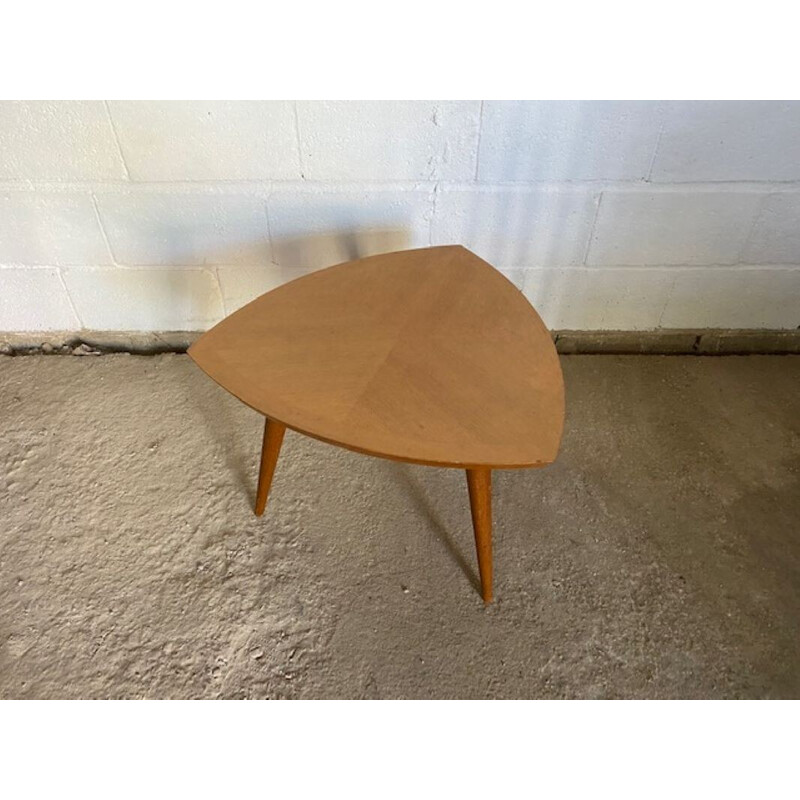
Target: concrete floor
659, 557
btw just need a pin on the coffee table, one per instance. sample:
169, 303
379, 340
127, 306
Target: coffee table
427, 356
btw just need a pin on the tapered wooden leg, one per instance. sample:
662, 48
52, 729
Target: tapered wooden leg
479, 481
273, 438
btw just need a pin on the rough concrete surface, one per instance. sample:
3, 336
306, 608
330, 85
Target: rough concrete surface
659, 557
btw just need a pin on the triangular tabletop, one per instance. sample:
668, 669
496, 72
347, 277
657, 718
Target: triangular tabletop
429, 356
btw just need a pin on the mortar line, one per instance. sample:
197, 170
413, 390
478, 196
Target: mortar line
591, 232
69, 298
756, 217
267, 201
434, 204
257, 186
478, 145
655, 150
215, 271
666, 302
103, 231
116, 139
297, 138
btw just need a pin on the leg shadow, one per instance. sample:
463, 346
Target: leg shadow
402, 473
217, 413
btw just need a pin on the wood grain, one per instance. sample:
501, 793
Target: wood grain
428, 356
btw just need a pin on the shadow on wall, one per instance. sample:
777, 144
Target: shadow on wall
180, 246
336, 246
189, 298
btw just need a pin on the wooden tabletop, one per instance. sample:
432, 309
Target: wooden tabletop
429, 356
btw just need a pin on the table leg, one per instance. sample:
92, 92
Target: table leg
273, 437
479, 481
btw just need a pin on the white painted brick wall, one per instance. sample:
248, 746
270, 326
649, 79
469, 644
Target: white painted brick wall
145, 299
209, 141
743, 298
729, 141
241, 284
513, 227
179, 228
568, 141
775, 236
35, 300
592, 299
63, 141
608, 215
41, 229
672, 227
378, 141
